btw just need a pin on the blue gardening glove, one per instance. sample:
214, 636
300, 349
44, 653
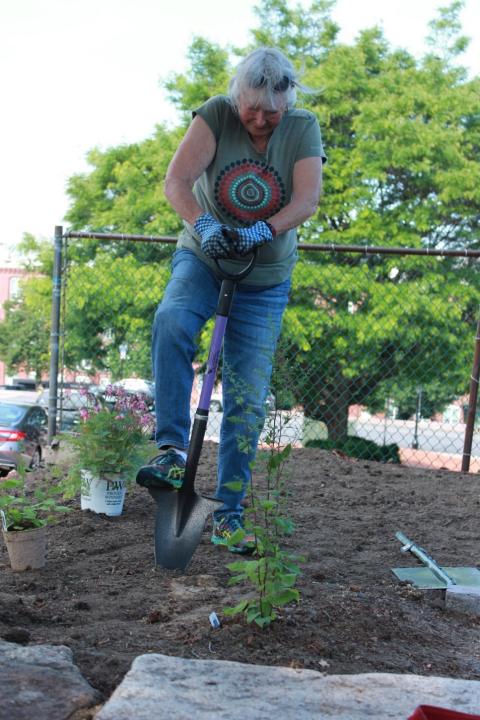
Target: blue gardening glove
214, 243
245, 239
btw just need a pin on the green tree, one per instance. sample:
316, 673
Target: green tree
304, 35
402, 136
25, 329
361, 338
123, 193
124, 190
402, 139
110, 306
208, 75
113, 288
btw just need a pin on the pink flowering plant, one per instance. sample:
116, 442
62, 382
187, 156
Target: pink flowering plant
113, 436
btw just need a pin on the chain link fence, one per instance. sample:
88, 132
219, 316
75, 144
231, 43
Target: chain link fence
374, 361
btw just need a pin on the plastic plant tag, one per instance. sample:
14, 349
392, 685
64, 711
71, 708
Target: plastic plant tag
4, 520
214, 621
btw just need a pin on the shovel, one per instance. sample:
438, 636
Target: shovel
432, 576
181, 515
459, 586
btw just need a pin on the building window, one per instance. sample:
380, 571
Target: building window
14, 288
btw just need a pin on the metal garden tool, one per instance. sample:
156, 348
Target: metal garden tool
461, 580
181, 514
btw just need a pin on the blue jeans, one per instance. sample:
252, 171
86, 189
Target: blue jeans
253, 327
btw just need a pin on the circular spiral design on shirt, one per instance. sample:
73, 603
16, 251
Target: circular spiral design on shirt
248, 190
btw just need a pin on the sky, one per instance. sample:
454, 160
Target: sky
78, 74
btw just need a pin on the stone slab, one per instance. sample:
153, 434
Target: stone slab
41, 682
158, 686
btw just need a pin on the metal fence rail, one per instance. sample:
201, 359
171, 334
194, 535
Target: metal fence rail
375, 357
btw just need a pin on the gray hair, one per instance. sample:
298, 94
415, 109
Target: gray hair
268, 71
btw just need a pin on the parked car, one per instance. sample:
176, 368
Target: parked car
23, 435
69, 405
137, 386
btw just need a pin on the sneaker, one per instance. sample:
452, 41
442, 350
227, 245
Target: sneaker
164, 470
223, 530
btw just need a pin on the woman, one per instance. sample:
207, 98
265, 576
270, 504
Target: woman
246, 174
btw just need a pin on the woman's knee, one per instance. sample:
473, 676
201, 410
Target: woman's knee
247, 415
171, 326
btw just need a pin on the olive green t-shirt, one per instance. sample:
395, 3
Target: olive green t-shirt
243, 185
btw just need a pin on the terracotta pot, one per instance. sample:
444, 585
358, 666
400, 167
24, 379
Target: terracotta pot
27, 549
103, 495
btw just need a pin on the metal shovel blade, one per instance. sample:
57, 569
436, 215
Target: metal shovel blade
424, 579
179, 524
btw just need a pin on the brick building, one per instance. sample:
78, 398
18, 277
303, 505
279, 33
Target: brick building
9, 287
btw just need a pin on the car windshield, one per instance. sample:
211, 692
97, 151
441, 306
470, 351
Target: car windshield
73, 401
11, 414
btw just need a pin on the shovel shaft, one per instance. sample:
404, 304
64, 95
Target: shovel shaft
425, 558
225, 300
212, 363
196, 442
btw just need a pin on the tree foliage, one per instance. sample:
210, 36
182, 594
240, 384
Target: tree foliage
25, 329
208, 75
123, 193
362, 337
402, 136
111, 304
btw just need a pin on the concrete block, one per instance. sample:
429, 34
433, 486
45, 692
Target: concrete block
159, 686
463, 599
41, 682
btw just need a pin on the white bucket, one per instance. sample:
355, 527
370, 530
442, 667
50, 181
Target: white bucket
102, 495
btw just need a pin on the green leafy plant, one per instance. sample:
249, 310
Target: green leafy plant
360, 448
23, 510
273, 571
113, 437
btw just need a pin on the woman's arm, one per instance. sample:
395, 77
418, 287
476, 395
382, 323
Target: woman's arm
307, 186
193, 156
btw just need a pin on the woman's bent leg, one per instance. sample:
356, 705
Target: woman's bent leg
190, 299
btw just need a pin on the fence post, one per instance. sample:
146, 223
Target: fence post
472, 404
55, 332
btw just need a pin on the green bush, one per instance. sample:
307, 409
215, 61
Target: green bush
284, 399
360, 448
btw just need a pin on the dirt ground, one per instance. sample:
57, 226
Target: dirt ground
101, 595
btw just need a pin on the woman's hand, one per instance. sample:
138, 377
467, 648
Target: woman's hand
214, 240
245, 239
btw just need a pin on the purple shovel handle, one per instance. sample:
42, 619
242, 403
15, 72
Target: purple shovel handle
201, 416
212, 362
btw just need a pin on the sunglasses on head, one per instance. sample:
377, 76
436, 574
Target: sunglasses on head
281, 86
